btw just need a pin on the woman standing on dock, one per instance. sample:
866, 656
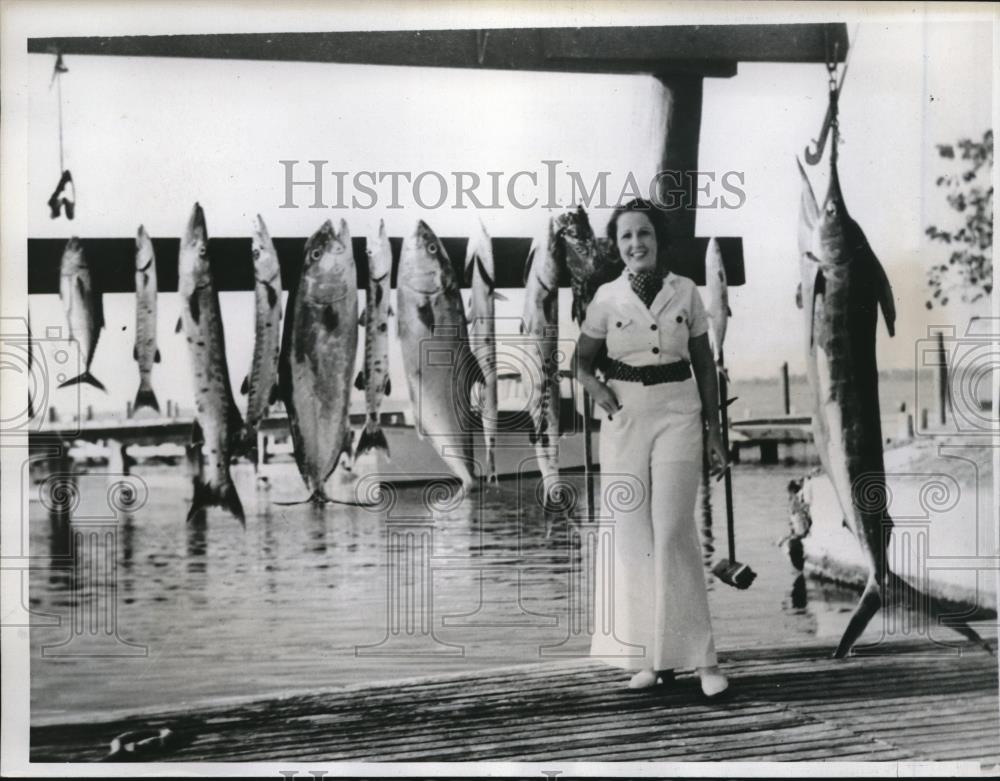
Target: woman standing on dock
652, 617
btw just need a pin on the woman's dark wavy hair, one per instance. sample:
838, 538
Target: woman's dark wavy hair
657, 217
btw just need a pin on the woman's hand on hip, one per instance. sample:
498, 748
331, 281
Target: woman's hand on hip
717, 461
605, 398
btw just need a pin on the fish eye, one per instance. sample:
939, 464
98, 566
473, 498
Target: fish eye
316, 254
202, 249
432, 248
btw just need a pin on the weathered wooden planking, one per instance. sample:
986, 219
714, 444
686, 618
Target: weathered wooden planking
788, 705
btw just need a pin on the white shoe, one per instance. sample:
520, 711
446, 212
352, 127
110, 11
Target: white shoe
644, 679
713, 682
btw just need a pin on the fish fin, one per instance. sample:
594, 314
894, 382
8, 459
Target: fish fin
379, 293
499, 296
798, 295
885, 300
330, 318
388, 386
197, 435
363, 318
486, 276
819, 292
145, 279
729, 312
179, 326
156, 358
99, 311
194, 307
273, 396
808, 209
359, 381
225, 496
87, 378
145, 397
372, 438
135, 352
245, 387
425, 312
272, 295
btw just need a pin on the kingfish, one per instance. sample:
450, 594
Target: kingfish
83, 306
217, 423
145, 352
717, 304
843, 286
540, 322
482, 335
373, 379
440, 367
319, 346
261, 384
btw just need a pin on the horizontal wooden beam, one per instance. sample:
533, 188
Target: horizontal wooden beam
709, 50
112, 261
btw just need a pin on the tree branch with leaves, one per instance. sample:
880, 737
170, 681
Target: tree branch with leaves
969, 270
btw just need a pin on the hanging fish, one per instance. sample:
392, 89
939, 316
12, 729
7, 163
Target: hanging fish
373, 379
145, 352
842, 289
717, 295
540, 322
260, 386
83, 306
431, 323
479, 271
217, 423
318, 350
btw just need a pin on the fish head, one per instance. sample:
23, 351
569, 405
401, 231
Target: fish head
72, 258
425, 265
143, 249
192, 260
328, 268
265, 259
579, 242
380, 253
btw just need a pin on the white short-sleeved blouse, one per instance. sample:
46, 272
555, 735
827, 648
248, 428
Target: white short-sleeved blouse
641, 336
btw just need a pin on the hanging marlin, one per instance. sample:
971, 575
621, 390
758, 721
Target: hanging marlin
843, 286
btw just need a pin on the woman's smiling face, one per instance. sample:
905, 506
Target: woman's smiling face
637, 242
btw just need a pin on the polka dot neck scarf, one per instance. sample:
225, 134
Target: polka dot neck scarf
646, 284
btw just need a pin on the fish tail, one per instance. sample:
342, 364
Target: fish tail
207, 495
86, 377
145, 397
867, 607
372, 438
933, 607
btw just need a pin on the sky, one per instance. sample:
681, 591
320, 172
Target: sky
146, 138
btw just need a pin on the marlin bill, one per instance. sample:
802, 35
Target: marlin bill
260, 385
217, 423
373, 379
843, 287
145, 352
318, 348
83, 306
440, 368
540, 324
480, 275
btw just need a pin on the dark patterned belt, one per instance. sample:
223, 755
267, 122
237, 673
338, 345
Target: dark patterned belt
647, 375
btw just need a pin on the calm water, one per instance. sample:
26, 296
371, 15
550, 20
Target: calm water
303, 598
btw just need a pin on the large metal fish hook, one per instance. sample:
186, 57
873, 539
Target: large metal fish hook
814, 155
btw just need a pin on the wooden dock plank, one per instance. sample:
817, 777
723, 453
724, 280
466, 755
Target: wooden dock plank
789, 704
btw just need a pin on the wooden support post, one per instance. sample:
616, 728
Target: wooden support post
769, 452
942, 380
262, 456
679, 152
785, 389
